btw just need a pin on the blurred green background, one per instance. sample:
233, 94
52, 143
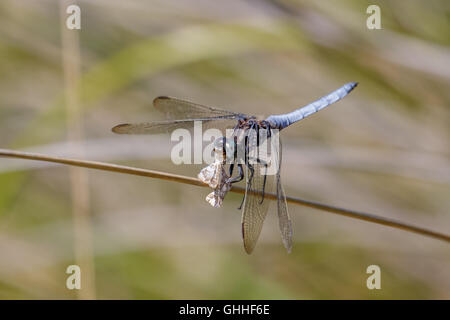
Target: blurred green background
383, 149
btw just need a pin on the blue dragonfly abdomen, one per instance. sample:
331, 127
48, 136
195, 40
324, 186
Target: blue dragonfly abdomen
282, 121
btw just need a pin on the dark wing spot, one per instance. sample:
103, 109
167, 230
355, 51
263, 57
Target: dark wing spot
121, 128
157, 99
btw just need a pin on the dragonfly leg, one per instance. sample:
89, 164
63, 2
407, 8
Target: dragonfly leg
269, 134
249, 184
258, 160
242, 202
264, 184
224, 150
231, 168
252, 171
239, 177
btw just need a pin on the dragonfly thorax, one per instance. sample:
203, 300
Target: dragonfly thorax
253, 123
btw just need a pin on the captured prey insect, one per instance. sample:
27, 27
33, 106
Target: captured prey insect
249, 135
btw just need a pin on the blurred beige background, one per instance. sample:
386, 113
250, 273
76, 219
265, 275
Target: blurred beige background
384, 149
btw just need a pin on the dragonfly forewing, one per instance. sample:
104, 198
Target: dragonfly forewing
182, 114
168, 126
175, 108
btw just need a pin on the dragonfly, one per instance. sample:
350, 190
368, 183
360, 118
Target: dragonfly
250, 133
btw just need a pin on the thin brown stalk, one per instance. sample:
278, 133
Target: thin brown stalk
193, 181
79, 179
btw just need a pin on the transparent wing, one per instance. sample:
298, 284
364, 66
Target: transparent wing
175, 108
181, 114
284, 220
168, 126
255, 207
